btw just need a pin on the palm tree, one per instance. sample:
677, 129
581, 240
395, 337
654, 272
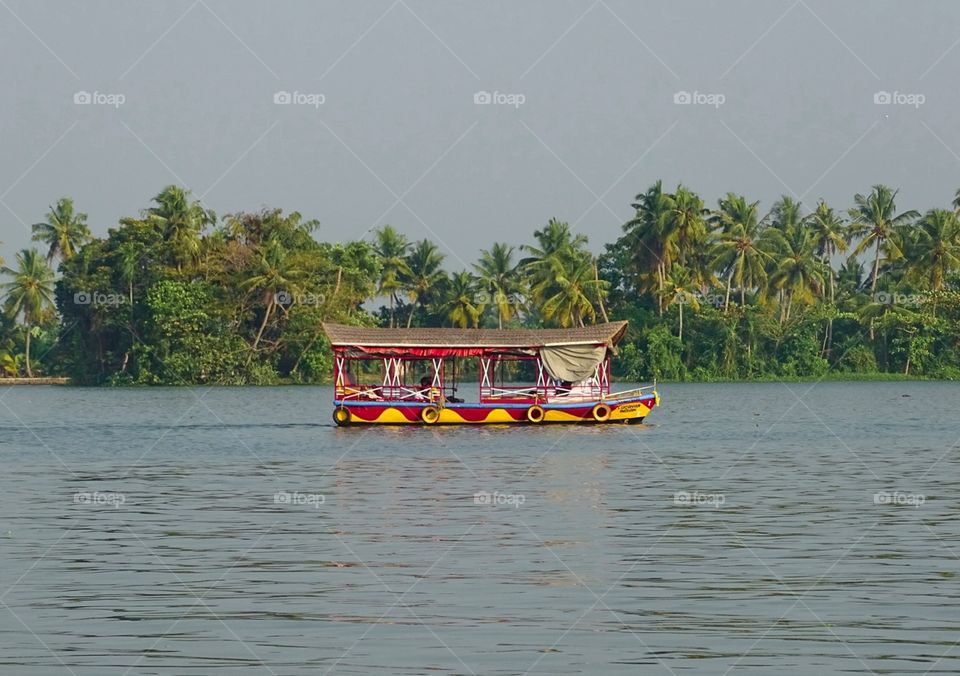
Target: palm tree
876, 222
679, 288
275, 271
30, 293
938, 246
129, 258
64, 231
558, 252
830, 235
425, 275
685, 225
743, 247
569, 291
182, 222
391, 247
460, 306
786, 213
498, 276
799, 274
646, 236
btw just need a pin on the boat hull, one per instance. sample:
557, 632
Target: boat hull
632, 410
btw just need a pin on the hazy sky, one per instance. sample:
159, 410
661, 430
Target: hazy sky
385, 128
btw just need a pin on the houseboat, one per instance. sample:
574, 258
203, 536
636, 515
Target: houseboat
531, 376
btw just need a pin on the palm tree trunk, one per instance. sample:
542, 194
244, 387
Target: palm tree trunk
828, 334
680, 334
876, 270
726, 299
27, 351
596, 279
660, 277
391, 310
263, 325
413, 308
499, 317
873, 281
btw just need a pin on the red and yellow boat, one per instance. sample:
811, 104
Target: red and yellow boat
411, 376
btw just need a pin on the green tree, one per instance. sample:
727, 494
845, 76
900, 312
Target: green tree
29, 293
570, 291
460, 306
425, 277
182, 222
391, 247
799, 273
876, 222
647, 240
830, 235
938, 254
275, 274
742, 250
64, 231
498, 276
680, 289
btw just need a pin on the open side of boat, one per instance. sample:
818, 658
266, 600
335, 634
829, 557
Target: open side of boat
570, 369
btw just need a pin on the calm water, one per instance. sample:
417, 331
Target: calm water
236, 531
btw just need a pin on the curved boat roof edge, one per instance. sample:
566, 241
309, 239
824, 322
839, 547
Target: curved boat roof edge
342, 335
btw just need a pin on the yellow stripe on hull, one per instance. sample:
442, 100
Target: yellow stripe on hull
394, 416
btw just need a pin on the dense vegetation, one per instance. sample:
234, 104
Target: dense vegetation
178, 295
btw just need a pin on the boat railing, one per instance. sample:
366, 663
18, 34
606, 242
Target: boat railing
629, 394
501, 392
385, 393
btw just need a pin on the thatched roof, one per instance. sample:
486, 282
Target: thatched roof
340, 335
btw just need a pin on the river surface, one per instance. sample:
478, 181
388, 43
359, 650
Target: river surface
766, 528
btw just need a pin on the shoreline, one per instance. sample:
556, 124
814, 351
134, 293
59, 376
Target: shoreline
63, 381
40, 380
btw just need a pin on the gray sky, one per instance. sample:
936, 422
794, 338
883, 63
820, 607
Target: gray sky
399, 139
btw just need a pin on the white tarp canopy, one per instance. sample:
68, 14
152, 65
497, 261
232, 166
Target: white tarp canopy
572, 363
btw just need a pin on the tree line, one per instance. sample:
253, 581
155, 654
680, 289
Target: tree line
178, 295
